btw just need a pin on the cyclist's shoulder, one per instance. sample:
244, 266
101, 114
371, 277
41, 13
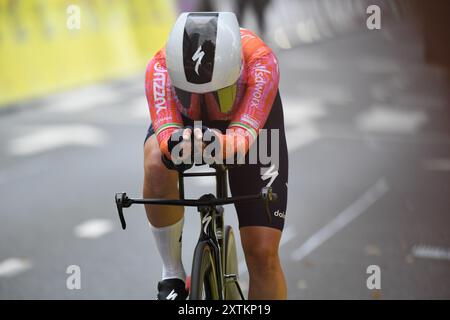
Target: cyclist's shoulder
246, 33
157, 63
160, 54
253, 46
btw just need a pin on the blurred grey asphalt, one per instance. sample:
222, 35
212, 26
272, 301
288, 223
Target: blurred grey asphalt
368, 133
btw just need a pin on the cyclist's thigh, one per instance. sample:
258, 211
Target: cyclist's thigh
152, 159
158, 179
249, 179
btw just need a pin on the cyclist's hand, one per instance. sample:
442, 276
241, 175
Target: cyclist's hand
186, 145
199, 145
212, 140
209, 139
194, 141
235, 144
219, 146
198, 134
180, 145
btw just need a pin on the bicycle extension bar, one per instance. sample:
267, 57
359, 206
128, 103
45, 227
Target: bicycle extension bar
123, 201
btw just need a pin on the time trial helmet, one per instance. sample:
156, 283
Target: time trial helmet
203, 52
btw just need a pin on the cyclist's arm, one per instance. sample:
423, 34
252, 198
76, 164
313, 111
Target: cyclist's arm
262, 86
163, 111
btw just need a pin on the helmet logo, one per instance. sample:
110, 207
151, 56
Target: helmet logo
198, 56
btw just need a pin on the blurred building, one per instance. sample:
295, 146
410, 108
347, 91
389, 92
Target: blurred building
434, 17
40, 52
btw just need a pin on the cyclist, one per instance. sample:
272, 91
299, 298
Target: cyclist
214, 71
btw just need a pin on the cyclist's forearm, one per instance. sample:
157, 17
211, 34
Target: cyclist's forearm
257, 102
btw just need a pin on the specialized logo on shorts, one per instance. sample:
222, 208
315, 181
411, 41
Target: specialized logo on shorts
260, 81
172, 295
159, 92
198, 56
269, 173
279, 214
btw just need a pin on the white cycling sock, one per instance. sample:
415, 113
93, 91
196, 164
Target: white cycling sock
168, 241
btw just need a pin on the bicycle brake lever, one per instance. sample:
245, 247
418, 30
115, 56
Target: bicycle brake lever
122, 201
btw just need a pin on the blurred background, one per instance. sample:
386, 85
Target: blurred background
367, 123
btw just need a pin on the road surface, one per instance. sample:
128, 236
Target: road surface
368, 132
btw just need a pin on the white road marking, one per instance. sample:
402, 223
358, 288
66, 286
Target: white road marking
301, 136
281, 39
83, 99
430, 252
344, 218
384, 119
299, 111
94, 228
307, 31
52, 137
437, 164
13, 266
299, 118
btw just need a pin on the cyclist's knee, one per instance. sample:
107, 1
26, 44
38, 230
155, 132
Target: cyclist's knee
262, 258
158, 179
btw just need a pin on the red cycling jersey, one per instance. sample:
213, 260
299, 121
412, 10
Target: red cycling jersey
256, 90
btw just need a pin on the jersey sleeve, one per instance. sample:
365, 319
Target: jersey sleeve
163, 111
262, 85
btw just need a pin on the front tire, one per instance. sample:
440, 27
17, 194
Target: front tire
204, 276
231, 264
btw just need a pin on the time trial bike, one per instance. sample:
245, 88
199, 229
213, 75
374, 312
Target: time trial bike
215, 274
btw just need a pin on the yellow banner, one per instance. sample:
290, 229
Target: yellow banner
48, 45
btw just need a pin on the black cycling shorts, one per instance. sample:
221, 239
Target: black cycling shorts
247, 179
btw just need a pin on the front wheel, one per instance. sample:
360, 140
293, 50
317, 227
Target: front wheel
232, 289
204, 277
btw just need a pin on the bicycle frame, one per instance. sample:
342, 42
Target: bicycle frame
211, 215
212, 222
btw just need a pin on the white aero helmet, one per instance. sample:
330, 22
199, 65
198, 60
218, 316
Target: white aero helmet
203, 52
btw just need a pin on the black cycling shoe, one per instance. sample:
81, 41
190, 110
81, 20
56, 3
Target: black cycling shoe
172, 289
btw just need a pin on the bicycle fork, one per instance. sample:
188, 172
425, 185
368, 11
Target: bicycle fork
208, 220
212, 231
